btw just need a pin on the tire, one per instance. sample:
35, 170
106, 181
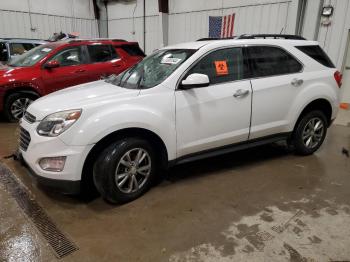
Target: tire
114, 160
310, 133
17, 102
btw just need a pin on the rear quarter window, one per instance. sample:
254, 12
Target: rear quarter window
316, 53
268, 61
133, 50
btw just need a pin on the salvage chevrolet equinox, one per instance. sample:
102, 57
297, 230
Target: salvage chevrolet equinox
180, 104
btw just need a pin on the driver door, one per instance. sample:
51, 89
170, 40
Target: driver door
219, 114
71, 70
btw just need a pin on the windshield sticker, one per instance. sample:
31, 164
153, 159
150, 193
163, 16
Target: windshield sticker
46, 50
221, 68
170, 60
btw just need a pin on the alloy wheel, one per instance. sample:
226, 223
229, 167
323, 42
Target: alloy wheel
133, 170
19, 106
313, 132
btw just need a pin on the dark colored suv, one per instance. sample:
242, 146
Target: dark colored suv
54, 66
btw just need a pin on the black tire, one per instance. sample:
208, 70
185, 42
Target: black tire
10, 103
106, 165
301, 129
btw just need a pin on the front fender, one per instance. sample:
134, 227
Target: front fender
95, 126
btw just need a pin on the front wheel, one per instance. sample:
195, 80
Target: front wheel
310, 132
125, 170
16, 104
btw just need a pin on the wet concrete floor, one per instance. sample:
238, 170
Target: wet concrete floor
262, 204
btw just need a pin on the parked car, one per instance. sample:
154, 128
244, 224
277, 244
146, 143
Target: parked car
12, 47
53, 66
182, 103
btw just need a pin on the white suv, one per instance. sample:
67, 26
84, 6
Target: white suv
180, 104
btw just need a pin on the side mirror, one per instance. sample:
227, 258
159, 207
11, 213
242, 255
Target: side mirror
194, 81
52, 64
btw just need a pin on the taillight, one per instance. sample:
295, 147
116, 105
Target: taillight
338, 77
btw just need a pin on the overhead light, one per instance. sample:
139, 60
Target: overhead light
327, 11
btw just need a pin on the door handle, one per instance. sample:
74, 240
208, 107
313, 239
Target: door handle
347, 67
116, 65
80, 71
297, 82
241, 93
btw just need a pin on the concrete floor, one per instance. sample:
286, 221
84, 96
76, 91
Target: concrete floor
263, 204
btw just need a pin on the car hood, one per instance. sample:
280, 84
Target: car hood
93, 94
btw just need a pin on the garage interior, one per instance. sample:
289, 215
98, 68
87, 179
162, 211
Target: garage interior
259, 204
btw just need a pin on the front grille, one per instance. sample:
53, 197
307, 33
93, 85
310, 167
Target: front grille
24, 139
29, 117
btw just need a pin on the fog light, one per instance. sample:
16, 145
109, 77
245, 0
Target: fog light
54, 164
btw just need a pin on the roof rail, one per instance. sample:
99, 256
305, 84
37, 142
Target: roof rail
95, 39
274, 36
215, 38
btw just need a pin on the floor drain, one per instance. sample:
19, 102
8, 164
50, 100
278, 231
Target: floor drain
60, 244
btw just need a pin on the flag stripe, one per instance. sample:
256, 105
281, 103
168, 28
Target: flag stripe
224, 27
232, 24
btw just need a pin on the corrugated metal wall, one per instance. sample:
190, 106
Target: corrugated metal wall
17, 24
188, 20
46, 17
334, 37
253, 18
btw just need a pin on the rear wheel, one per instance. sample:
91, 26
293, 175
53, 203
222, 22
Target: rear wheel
310, 132
16, 104
125, 170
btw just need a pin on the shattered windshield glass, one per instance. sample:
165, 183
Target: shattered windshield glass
152, 70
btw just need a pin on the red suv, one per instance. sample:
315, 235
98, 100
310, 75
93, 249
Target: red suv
53, 66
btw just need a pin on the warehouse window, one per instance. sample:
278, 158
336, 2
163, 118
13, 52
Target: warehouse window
221, 66
270, 61
316, 52
101, 53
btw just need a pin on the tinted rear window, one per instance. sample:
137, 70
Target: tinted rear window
269, 61
133, 50
317, 53
101, 53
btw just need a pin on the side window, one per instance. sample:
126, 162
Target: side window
221, 66
101, 53
3, 52
68, 57
270, 61
20, 48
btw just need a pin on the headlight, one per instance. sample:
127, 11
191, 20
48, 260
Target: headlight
55, 124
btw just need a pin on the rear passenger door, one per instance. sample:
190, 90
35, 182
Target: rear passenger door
276, 80
103, 61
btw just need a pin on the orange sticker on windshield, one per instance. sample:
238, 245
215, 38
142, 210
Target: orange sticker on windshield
221, 67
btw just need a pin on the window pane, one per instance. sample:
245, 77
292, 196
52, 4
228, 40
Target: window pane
133, 50
222, 66
316, 52
69, 57
100, 53
269, 61
20, 48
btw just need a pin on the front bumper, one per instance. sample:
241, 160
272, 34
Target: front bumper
68, 180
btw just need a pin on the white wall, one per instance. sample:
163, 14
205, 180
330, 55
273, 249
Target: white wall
125, 21
47, 16
188, 19
188, 22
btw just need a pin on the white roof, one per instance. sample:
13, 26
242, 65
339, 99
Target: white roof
218, 43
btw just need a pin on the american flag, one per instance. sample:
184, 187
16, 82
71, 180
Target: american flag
221, 26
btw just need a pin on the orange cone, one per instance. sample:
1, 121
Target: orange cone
344, 106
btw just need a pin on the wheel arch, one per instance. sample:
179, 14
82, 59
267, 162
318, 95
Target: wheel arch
150, 136
22, 89
321, 104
